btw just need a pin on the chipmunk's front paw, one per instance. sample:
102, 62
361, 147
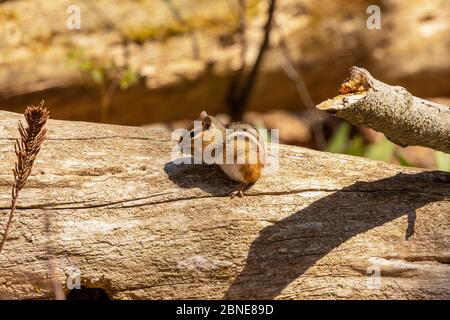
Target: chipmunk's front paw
237, 191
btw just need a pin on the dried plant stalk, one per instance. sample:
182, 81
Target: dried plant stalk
27, 149
53, 261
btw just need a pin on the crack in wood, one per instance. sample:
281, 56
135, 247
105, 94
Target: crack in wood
55, 206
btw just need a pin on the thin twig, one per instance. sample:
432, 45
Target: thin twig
52, 261
238, 94
26, 150
288, 66
179, 18
237, 77
242, 28
107, 91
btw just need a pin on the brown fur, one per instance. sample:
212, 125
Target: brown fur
251, 172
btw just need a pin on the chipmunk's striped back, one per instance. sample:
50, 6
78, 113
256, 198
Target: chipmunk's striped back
238, 149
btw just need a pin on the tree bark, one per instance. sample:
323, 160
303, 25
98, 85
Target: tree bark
404, 119
140, 227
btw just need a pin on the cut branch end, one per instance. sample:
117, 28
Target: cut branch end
404, 119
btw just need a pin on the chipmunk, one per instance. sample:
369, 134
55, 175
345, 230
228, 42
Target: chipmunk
237, 149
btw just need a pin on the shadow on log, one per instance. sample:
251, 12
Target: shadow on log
193, 175
269, 269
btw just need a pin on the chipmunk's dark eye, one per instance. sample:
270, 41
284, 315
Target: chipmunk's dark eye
192, 134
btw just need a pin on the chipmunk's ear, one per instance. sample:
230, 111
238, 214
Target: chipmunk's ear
206, 122
203, 115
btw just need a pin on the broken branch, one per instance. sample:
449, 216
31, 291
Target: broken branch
403, 118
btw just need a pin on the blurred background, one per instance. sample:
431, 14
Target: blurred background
159, 63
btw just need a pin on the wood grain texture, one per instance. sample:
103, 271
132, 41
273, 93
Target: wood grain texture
141, 227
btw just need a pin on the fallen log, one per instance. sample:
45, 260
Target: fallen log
137, 226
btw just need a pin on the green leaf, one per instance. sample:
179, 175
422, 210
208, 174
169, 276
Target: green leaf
128, 79
75, 54
260, 125
98, 75
356, 147
339, 139
86, 66
382, 150
402, 160
442, 161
